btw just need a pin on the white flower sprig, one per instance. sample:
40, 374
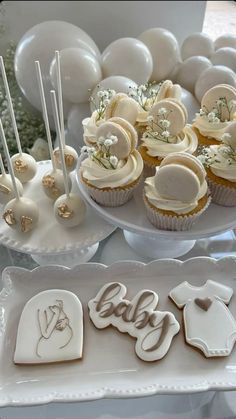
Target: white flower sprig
101, 101
215, 115
101, 154
158, 127
145, 94
225, 151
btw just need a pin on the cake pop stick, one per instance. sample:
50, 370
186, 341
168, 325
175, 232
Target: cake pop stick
69, 209
24, 165
20, 213
6, 187
71, 155
52, 181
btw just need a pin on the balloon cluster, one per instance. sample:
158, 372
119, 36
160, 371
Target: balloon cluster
127, 62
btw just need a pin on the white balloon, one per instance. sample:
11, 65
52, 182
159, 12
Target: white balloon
74, 124
66, 108
164, 48
118, 83
197, 44
40, 43
174, 73
190, 103
80, 73
225, 56
213, 76
190, 71
128, 57
226, 40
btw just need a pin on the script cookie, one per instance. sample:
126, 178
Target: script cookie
154, 330
50, 329
208, 323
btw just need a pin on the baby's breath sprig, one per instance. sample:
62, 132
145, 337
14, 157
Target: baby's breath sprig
101, 101
101, 154
215, 115
145, 94
158, 127
224, 152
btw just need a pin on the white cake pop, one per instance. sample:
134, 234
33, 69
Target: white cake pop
69, 209
71, 156
6, 187
24, 165
53, 180
20, 213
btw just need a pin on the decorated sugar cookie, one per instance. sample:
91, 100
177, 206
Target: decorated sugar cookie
122, 147
171, 111
154, 330
208, 323
221, 100
50, 329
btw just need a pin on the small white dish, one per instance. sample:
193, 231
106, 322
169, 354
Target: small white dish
109, 367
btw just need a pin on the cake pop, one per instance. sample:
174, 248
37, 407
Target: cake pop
6, 186
24, 165
71, 156
53, 180
69, 209
20, 213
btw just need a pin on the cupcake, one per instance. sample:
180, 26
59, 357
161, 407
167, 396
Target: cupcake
178, 194
167, 133
113, 169
218, 111
148, 95
220, 162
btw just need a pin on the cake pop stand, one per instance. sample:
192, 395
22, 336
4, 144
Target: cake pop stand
50, 242
150, 242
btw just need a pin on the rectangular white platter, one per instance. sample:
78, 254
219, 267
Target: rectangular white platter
109, 367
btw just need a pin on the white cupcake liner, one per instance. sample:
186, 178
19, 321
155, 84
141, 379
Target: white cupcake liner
222, 195
112, 197
173, 223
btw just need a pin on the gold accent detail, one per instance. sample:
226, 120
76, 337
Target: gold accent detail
9, 217
26, 224
48, 182
5, 189
20, 166
64, 211
69, 159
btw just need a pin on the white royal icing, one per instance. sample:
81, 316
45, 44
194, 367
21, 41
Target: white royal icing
208, 323
50, 329
154, 330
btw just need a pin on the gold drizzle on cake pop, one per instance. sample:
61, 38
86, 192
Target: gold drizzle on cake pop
26, 224
48, 182
20, 166
64, 211
9, 217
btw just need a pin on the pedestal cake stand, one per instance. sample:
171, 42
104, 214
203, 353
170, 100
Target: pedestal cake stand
150, 242
50, 242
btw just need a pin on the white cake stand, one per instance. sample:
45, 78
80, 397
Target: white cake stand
150, 242
51, 243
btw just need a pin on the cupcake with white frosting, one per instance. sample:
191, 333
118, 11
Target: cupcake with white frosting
218, 111
220, 162
113, 169
178, 193
167, 132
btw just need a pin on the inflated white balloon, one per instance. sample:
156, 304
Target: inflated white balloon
74, 124
128, 57
164, 48
213, 76
118, 83
174, 73
190, 71
226, 40
40, 43
190, 103
197, 44
225, 56
80, 73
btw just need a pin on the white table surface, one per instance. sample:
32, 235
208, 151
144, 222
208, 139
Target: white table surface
220, 405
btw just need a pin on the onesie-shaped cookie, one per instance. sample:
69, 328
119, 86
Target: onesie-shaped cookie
50, 329
154, 330
208, 323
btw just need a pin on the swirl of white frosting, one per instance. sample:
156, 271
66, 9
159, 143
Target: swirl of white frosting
90, 126
222, 167
187, 142
176, 206
126, 172
211, 129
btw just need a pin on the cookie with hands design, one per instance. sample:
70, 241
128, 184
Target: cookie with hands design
154, 330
